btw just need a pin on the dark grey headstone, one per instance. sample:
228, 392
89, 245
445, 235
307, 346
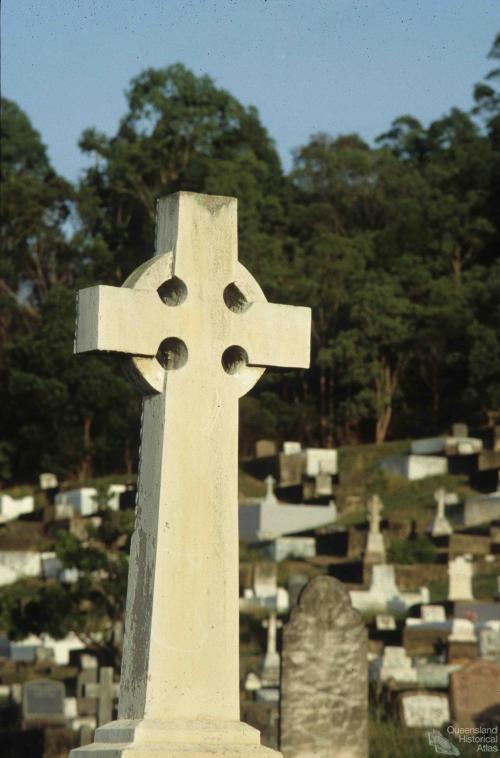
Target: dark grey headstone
87, 676
43, 702
324, 679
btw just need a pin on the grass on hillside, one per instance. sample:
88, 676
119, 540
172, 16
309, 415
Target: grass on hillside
484, 587
360, 472
248, 485
389, 739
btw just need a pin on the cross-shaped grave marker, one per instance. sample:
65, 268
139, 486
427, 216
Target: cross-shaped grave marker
105, 692
199, 332
375, 508
270, 673
440, 526
375, 549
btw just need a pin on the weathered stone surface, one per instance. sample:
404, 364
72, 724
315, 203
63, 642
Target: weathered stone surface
423, 709
324, 681
198, 332
394, 665
475, 694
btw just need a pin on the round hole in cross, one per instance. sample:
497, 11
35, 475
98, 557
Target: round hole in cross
173, 291
172, 353
234, 359
235, 299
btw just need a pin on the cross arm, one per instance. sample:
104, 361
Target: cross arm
277, 335
117, 319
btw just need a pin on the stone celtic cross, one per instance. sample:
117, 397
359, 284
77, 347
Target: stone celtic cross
199, 332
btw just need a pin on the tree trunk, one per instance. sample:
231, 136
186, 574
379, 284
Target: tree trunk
385, 386
323, 418
85, 469
129, 458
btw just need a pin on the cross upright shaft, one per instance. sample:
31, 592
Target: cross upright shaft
193, 355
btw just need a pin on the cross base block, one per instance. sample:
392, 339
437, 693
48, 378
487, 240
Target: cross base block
145, 738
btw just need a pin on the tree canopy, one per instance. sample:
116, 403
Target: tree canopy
395, 246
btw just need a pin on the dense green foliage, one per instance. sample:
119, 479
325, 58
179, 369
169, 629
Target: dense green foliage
417, 550
92, 605
395, 247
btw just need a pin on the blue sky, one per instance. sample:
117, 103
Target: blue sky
308, 65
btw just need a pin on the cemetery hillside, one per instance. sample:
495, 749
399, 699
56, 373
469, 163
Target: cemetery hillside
346, 435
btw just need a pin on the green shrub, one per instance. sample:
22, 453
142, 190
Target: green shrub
418, 550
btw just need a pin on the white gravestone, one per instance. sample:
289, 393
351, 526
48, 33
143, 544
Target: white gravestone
83, 500
291, 547
489, 641
199, 333
11, 507
414, 467
394, 664
455, 444
320, 461
462, 630
424, 710
291, 448
383, 594
440, 527
19, 564
435, 675
48, 481
270, 672
375, 548
384, 622
433, 614
114, 492
252, 682
270, 519
460, 579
